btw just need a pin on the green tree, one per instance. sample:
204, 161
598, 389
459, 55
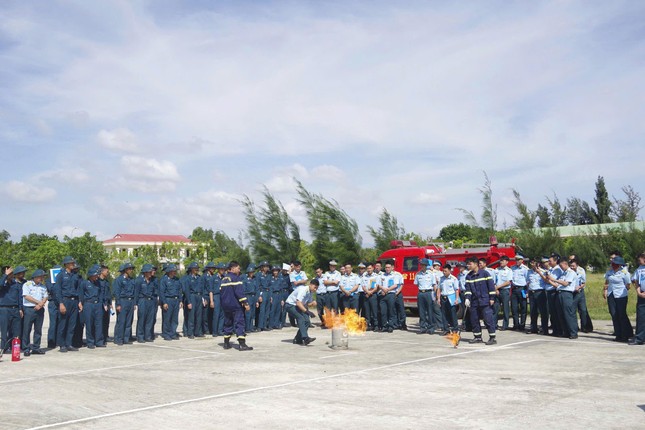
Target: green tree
273, 234
557, 212
489, 209
543, 216
86, 250
525, 217
47, 255
579, 212
335, 234
387, 231
602, 213
452, 232
627, 210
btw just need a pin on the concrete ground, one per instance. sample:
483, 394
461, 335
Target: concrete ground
398, 380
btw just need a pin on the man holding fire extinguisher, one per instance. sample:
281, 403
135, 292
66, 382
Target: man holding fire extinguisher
11, 305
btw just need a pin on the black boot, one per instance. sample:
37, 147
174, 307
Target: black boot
244, 346
477, 339
227, 342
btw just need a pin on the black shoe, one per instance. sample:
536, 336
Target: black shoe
476, 340
631, 342
191, 337
101, 346
71, 348
573, 337
445, 333
404, 327
491, 341
167, 338
390, 330
175, 337
109, 339
244, 346
199, 335
38, 351
91, 346
309, 340
227, 343
141, 341
430, 332
118, 343
63, 349
422, 331
297, 342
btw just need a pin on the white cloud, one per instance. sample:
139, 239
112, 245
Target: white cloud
120, 140
327, 172
71, 176
68, 230
428, 198
27, 193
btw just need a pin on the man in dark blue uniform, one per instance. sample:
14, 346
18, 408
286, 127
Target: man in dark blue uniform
216, 300
193, 304
250, 284
77, 338
170, 295
480, 298
91, 296
277, 284
125, 301
104, 273
52, 309
11, 312
264, 296
146, 295
207, 286
234, 304
66, 295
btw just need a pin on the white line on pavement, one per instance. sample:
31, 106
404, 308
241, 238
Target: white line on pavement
177, 348
340, 354
285, 384
101, 369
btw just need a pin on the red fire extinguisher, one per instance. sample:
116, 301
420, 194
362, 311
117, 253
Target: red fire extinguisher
15, 349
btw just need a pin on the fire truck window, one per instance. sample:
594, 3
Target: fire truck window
411, 264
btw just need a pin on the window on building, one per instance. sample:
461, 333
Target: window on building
411, 264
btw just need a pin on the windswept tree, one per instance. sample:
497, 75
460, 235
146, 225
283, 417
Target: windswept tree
525, 217
335, 234
602, 213
387, 231
579, 212
557, 212
489, 209
273, 234
627, 210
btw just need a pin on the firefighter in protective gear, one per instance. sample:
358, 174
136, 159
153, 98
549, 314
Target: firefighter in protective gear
480, 295
234, 304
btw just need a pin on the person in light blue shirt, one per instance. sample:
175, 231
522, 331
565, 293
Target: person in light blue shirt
565, 285
552, 271
297, 305
639, 281
425, 282
389, 287
537, 298
370, 284
34, 298
579, 298
519, 293
349, 284
321, 296
617, 283
448, 296
332, 282
503, 281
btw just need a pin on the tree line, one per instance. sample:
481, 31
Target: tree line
273, 235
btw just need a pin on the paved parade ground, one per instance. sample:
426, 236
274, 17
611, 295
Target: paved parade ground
398, 380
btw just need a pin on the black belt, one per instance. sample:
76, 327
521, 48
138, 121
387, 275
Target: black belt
196, 294
250, 294
172, 297
425, 291
146, 298
91, 301
321, 294
10, 306
71, 298
127, 298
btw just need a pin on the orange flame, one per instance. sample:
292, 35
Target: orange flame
454, 338
349, 320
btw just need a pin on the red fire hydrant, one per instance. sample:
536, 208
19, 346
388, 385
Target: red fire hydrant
15, 349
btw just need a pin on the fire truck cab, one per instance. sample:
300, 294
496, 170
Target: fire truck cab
405, 256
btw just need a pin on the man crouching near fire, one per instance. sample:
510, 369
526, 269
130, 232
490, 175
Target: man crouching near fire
480, 294
296, 305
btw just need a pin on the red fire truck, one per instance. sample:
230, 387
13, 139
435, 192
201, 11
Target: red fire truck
406, 254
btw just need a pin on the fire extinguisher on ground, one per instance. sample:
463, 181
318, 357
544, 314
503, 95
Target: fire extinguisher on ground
15, 349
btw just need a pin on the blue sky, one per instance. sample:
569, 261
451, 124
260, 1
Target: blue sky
156, 116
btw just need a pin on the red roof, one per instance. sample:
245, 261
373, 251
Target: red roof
176, 238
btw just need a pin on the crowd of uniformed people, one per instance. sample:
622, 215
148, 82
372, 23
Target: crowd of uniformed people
222, 300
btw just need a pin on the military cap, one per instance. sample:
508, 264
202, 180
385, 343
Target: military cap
125, 266
19, 269
436, 263
94, 271
264, 263
193, 265
146, 268
221, 266
250, 268
519, 257
210, 265
94, 267
275, 268
425, 262
361, 265
37, 273
68, 260
616, 260
333, 263
170, 268
504, 257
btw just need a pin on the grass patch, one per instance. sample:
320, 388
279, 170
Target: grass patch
596, 303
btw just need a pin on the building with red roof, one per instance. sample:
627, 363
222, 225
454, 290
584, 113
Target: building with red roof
131, 242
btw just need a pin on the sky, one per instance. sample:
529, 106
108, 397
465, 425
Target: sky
158, 116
